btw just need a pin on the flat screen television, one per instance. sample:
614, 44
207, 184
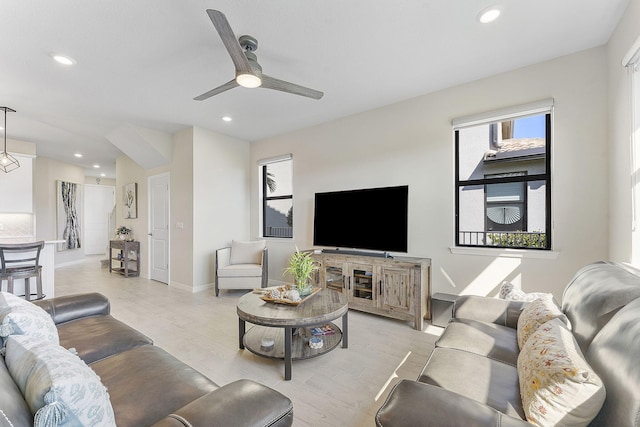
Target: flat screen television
371, 218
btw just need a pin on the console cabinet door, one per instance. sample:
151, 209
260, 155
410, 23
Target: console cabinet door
333, 275
396, 290
361, 280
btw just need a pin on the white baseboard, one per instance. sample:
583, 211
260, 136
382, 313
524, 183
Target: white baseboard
191, 289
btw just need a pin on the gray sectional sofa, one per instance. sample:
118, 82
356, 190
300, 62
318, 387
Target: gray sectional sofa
471, 378
146, 385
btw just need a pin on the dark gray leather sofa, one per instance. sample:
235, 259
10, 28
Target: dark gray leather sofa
471, 377
147, 386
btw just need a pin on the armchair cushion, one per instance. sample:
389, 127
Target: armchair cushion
247, 252
240, 270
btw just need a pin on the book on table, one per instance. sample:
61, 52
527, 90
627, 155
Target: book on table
322, 330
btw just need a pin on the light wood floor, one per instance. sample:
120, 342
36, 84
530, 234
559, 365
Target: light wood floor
344, 387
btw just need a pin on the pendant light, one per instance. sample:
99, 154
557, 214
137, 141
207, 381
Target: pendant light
7, 161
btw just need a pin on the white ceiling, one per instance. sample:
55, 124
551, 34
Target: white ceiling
141, 62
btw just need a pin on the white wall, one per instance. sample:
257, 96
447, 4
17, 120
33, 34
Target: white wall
46, 174
220, 199
624, 243
411, 142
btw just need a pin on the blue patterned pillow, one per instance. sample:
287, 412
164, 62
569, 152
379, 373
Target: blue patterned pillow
60, 389
20, 317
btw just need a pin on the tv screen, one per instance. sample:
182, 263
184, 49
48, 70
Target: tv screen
372, 218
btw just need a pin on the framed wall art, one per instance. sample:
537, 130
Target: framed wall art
130, 200
68, 214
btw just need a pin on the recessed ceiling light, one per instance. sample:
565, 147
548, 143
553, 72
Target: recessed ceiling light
63, 59
226, 119
96, 166
489, 14
78, 155
103, 174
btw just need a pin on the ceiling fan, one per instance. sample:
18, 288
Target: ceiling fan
248, 71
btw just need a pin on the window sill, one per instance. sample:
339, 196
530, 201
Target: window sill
505, 253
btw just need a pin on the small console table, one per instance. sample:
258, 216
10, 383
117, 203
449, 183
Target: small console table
126, 256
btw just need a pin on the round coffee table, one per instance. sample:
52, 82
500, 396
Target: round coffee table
320, 309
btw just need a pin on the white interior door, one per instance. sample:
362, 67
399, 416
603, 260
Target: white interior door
99, 201
159, 228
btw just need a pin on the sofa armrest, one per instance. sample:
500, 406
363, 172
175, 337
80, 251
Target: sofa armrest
414, 404
486, 309
240, 403
71, 307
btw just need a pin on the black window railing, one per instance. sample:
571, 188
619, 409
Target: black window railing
504, 239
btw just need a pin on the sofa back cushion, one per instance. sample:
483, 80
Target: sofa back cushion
536, 313
247, 252
557, 385
613, 354
596, 293
13, 409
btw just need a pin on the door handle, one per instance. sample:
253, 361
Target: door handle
149, 234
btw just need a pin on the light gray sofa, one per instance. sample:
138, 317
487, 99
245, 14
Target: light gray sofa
471, 377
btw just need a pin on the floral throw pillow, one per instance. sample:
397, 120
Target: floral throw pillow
557, 385
536, 313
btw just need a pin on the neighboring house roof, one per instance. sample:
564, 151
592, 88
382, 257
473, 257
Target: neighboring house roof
517, 149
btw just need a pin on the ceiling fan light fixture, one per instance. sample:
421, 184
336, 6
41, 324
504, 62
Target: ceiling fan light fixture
248, 80
7, 161
489, 14
63, 59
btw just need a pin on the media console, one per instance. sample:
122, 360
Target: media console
396, 287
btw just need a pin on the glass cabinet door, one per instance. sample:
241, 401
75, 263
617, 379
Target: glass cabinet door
361, 282
334, 276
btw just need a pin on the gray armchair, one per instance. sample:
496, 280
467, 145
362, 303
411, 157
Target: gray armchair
243, 265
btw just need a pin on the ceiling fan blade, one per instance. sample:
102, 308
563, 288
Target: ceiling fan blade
228, 85
230, 41
277, 84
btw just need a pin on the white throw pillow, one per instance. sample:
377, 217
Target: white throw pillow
557, 385
508, 291
60, 389
20, 317
536, 313
247, 252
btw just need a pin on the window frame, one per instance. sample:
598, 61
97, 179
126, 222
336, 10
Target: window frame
546, 176
266, 199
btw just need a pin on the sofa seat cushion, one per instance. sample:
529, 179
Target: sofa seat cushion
146, 384
240, 270
97, 337
485, 339
476, 377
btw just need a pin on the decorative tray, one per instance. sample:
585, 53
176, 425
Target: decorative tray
266, 296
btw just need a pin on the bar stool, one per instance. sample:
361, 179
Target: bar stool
22, 261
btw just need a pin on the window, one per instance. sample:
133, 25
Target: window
503, 178
277, 197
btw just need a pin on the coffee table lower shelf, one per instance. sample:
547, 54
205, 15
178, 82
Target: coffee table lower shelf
299, 344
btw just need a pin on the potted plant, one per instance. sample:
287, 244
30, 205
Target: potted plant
301, 265
123, 232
